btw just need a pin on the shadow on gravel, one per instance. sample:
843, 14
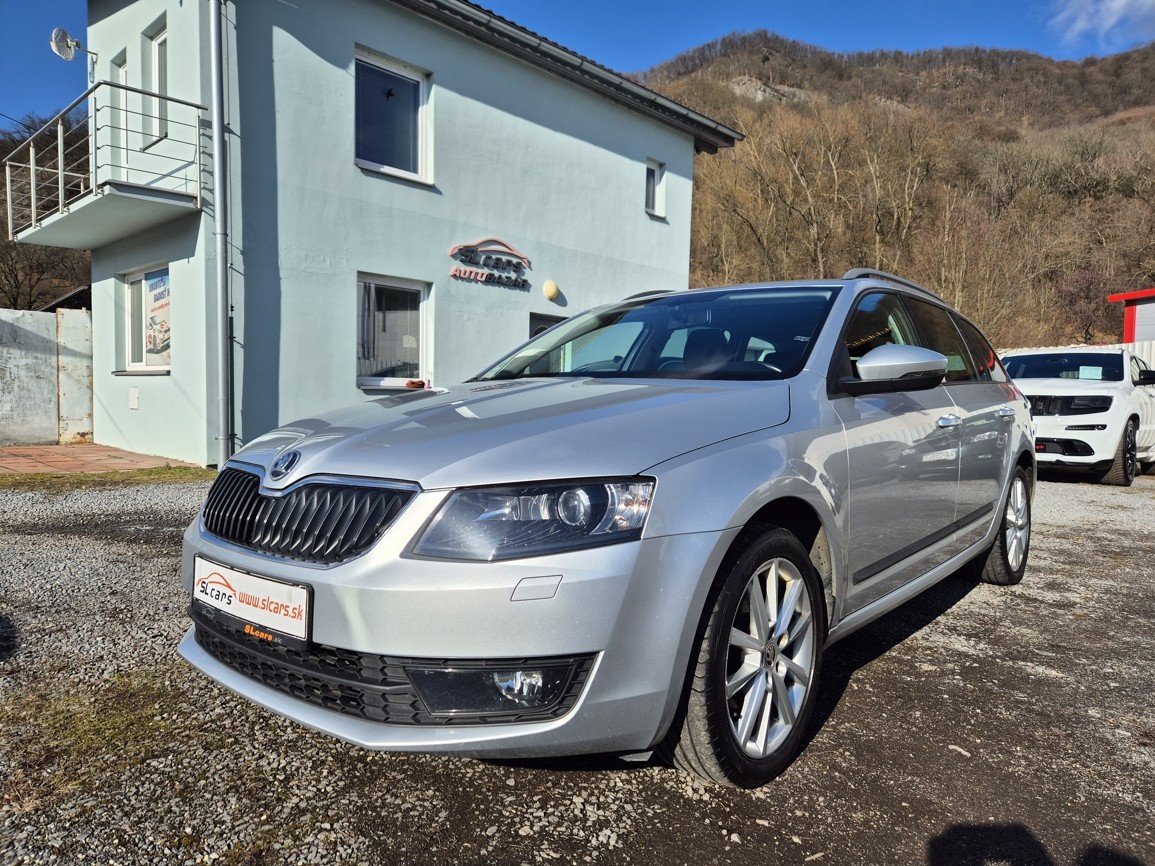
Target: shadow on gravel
1067, 476
574, 764
1011, 844
879, 638
8, 642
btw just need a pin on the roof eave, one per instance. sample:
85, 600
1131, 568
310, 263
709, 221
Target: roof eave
709, 135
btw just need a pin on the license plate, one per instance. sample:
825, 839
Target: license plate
267, 607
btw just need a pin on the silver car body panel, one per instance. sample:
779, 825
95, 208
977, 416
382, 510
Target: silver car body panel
881, 477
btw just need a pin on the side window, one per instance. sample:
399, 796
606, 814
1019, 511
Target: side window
149, 320
1135, 368
390, 118
939, 333
879, 318
987, 363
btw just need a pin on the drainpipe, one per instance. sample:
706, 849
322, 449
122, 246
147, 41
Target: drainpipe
221, 236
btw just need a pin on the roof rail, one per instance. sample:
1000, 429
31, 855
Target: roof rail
860, 273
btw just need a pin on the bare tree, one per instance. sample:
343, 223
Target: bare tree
32, 275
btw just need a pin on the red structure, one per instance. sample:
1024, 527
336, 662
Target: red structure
1138, 314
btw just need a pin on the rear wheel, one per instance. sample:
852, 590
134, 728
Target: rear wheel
1006, 560
756, 675
1122, 471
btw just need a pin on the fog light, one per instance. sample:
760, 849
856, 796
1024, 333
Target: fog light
523, 687
488, 691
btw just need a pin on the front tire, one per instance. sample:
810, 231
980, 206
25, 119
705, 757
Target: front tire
1122, 471
756, 675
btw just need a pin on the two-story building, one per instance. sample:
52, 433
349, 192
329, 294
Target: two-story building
295, 205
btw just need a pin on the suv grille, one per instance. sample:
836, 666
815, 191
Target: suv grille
315, 522
364, 685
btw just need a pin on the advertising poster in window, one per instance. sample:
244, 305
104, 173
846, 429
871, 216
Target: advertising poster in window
157, 319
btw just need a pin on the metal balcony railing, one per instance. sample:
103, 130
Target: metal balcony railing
131, 138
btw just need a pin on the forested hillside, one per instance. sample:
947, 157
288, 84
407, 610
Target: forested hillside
1021, 189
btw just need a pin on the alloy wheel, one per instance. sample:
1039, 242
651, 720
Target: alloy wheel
771, 657
1017, 524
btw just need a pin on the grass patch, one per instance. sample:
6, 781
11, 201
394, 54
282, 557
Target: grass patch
50, 482
76, 739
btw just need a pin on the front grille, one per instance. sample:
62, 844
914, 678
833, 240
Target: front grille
1059, 405
321, 522
365, 685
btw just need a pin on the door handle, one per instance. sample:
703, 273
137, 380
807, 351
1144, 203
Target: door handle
1006, 413
948, 421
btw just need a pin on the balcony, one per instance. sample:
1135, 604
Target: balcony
136, 162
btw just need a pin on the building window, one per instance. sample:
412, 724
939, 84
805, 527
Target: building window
390, 118
160, 84
539, 323
655, 188
149, 320
390, 325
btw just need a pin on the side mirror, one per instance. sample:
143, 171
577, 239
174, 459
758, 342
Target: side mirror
896, 368
1146, 377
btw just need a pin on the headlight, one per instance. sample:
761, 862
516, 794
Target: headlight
510, 522
1096, 402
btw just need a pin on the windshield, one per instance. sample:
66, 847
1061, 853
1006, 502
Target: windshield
1089, 366
761, 333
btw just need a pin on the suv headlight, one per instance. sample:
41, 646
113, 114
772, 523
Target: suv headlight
493, 523
1091, 403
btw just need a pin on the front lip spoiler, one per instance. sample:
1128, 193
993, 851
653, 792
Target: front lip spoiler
1097, 466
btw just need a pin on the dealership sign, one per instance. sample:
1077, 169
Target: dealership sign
490, 261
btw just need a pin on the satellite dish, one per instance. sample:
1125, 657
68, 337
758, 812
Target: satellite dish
63, 45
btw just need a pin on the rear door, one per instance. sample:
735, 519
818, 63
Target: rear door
984, 406
1144, 398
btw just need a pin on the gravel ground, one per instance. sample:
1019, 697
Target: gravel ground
976, 725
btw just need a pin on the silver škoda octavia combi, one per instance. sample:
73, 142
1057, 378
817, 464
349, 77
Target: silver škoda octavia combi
637, 532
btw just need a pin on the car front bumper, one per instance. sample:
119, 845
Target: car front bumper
1081, 441
631, 609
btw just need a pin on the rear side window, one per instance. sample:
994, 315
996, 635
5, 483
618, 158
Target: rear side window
939, 333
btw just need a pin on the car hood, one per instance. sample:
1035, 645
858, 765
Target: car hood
1060, 387
527, 430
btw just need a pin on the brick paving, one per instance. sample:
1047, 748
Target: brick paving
59, 459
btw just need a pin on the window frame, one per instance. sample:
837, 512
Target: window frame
422, 290
655, 192
422, 125
131, 345
158, 68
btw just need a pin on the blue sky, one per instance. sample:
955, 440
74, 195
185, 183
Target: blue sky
630, 35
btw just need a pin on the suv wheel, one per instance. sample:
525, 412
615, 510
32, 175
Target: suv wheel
754, 682
1122, 471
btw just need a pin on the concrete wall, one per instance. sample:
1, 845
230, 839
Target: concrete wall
45, 377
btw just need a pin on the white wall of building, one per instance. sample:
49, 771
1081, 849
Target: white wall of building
518, 153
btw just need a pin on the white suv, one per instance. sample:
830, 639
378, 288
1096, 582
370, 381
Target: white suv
1094, 408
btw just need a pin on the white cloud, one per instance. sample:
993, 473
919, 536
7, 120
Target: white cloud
1113, 24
